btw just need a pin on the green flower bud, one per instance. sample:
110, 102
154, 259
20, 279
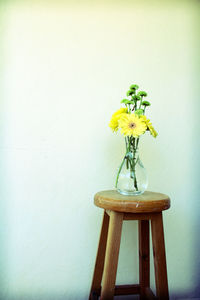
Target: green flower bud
134, 87
146, 103
139, 112
136, 98
126, 101
130, 92
142, 94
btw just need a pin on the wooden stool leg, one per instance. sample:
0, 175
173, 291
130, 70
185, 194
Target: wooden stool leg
144, 277
159, 257
100, 258
112, 253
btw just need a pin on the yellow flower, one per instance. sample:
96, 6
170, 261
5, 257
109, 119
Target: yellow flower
132, 125
115, 118
149, 126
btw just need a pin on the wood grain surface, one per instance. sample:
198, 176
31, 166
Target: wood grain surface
112, 253
100, 258
147, 202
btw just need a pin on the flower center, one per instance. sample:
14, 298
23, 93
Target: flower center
132, 125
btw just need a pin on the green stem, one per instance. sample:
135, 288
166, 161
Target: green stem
137, 143
140, 102
127, 165
129, 143
120, 168
134, 162
126, 144
131, 162
134, 171
135, 104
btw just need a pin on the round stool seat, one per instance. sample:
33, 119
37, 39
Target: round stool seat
148, 202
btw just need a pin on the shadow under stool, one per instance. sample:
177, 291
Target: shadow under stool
117, 208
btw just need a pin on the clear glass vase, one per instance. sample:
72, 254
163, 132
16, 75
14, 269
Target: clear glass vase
131, 176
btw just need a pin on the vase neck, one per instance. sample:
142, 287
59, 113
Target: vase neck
133, 154
136, 151
131, 144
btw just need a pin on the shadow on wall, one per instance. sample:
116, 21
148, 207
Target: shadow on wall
195, 166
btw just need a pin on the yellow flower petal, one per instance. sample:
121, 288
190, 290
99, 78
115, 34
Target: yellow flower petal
149, 126
132, 125
115, 118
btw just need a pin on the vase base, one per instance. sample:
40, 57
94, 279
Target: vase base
130, 193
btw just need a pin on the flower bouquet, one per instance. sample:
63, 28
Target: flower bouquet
131, 120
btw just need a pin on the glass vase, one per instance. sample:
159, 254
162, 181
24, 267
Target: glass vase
131, 176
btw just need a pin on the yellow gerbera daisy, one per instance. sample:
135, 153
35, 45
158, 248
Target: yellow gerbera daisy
149, 126
115, 118
132, 125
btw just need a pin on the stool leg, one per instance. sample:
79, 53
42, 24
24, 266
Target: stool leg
159, 257
112, 253
144, 277
99, 265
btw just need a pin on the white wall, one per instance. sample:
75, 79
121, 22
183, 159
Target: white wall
65, 68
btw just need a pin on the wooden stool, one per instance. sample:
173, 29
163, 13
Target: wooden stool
117, 207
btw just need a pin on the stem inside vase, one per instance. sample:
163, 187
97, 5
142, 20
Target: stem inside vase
130, 160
